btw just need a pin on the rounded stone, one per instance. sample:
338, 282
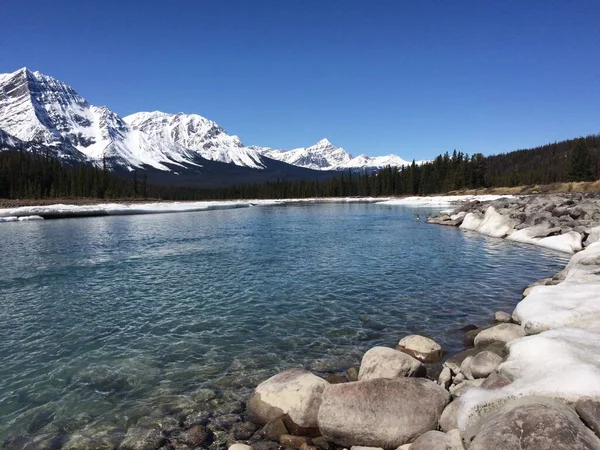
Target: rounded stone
384, 362
295, 392
380, 412
420, 347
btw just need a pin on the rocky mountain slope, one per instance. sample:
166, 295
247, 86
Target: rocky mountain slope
38, 111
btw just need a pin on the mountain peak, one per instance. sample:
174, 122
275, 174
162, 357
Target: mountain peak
323, 142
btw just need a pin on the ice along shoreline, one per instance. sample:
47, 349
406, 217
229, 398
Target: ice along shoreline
61, 210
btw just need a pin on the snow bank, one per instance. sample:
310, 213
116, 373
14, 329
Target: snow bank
563, 360
569, 242
492, 224
113, 209
442, 200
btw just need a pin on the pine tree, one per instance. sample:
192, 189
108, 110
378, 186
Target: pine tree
581, 167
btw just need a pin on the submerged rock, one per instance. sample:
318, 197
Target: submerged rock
380, 412
138, 438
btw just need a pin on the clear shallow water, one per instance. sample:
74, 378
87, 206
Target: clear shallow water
106, 319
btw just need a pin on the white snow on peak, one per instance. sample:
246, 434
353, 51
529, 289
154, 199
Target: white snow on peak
38, 108
197, 134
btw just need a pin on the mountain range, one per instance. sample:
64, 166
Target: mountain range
38, 112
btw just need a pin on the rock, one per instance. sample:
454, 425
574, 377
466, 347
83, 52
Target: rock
445, 378
352, 374
197, 418
460, 389
168, 424
198, 435
306, 446
96, 438
224, 422
448, 418
275, 428
243, 431
459, 378
454, 440
291, 441
432, 440
593, 236
420, 347
265, 445
384, 362
404, 447
504, 332
359, 447
502, 317
484, 363
369, 412
138, 438
496, 380
569, 242
532, 423
465, 368
589, 411
335, 378
295, 392
321, 443
240, 447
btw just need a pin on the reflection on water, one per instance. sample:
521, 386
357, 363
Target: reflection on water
104, 318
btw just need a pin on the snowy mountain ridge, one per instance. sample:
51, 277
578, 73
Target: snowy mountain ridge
38, 110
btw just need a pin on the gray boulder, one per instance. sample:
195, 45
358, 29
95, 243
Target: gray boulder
448, 418
294, 392
436, 440
533, 423
502, 317
503, 333
484, 363
384, 362
459, 389
380, 412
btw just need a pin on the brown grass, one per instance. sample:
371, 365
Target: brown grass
554, 188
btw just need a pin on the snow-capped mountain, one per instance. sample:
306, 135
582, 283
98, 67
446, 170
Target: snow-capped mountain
194, 132
39, 112
321, 156
326, 156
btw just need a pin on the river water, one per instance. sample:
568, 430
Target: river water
104, 320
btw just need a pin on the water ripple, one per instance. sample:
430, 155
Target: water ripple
108, 318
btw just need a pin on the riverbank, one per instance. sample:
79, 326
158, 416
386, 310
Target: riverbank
94, 209
530, 380
186, 417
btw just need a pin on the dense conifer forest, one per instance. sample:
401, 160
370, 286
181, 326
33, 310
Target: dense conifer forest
25, 175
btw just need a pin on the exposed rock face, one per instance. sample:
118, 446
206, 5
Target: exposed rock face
534, 423
384, 362
369, 412
295, 392
422, 348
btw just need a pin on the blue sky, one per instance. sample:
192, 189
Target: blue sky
410, 77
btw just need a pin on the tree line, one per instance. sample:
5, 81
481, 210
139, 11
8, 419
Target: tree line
38, 175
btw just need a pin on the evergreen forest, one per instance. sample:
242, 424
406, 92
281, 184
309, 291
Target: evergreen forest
31, 175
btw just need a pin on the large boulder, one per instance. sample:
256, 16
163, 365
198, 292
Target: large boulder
568, 242
384, 362
295, 392
503, 333
533, 423
420, 347
380, 412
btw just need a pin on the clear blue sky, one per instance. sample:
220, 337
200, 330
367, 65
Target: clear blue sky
411, 77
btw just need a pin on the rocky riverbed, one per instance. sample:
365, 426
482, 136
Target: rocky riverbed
526, 380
